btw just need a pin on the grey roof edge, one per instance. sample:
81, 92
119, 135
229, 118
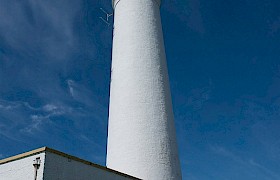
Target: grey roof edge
23, 155
47, 149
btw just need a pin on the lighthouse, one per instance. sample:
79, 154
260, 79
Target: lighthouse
141, 130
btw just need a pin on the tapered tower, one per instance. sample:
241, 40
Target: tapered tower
141, 132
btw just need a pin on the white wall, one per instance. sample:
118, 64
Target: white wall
61, 168
55, 167
141, 132
22, 169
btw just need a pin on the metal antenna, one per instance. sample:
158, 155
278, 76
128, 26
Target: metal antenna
107, 14
106, 21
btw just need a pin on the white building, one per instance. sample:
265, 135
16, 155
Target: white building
50, 164
141, 132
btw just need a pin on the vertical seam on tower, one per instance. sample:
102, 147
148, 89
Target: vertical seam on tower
115, 4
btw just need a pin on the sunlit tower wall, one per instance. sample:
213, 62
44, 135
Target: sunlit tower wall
141, 131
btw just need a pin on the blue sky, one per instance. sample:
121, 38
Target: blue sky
224, 67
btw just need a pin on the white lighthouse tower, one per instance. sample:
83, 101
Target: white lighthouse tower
141, 132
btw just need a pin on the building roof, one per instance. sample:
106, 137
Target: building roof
47, 149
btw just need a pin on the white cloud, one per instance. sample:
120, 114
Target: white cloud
188, 13
49, 107
41, 44
40, 40
195, 20
275, 26
225, 152
246, 163
264, 169
37, 120
70, 86
45, 113
82, 94
199, 97
42, 26
7, 106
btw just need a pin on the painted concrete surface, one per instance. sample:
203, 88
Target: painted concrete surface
141, 132
62, 168
22, 169
54, 165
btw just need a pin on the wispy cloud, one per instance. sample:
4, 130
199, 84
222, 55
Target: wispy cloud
43, 116
192, 10
4, 105
80, 93
195, 21
91, 103
37, 121
263, 113
275, 26
30, 119
264, 169
199, 97
71, 88
46, 27
38, 40
248, 163
249, 121
225, 152
39, 47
